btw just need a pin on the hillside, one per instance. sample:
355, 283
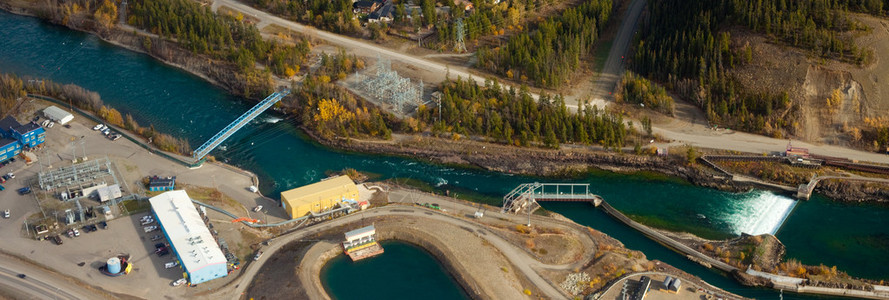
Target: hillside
807, 70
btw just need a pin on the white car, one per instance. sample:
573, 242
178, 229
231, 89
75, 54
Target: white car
76, 232
179, 282
98, 126
103, 127
150, 228
11, 176
257, 208
51, 123
44, 123
257, 256
148, 217
171, 264
6, 213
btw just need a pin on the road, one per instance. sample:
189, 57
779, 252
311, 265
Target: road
682, 131
39, 284
365, 48
519, 258
613, 68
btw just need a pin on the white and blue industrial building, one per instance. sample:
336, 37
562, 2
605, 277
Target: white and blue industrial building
15, 136
191, 241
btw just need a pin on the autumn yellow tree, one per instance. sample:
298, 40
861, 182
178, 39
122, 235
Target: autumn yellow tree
106, 14
114, 117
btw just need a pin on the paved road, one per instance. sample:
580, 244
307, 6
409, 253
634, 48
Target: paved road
516, 256
38, 283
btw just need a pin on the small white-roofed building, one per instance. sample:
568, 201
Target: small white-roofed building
110, 192
58, 115
190, 239
359, 236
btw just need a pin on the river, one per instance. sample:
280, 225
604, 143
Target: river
853, 237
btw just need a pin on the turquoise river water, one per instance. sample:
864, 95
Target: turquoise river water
853, 237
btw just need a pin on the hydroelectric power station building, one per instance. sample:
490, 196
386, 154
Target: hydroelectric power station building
192, 243
319, 196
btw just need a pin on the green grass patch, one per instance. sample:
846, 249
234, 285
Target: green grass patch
601, 54
136, 206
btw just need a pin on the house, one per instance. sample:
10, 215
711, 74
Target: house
383, 14
159, 184
365, 6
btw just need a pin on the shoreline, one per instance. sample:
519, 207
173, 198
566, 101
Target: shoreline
605, 160
624, 163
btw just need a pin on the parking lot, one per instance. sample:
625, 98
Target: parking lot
81, 256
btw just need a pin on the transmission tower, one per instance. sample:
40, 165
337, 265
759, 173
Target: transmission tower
123, 12
460, 45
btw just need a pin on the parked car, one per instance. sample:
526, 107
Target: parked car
44, 123
56, 239
104, 225
67, 125
171, 264
179, 282
163, 252
24, 191
257, 256
6, 213
150, 228
2, 188
97, 127
86, 229
146, 222
51, 123
115, 137
22, 276
143, 218
11, 176
156, 237
257, 208
106, 131
71, 233
35, 119
76, 233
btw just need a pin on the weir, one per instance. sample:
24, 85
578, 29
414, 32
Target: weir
237, 124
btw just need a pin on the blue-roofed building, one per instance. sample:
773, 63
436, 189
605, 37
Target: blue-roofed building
9, 148
29, 134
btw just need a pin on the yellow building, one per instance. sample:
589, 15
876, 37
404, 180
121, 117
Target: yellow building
319, 196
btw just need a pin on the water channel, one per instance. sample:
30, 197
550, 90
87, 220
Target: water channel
853, 237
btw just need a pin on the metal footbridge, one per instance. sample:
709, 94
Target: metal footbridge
526, 195
237, 124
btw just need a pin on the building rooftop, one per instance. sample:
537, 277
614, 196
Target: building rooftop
8, 123
6, 142
161, 181
186, 230
360, 232
308, 193
25, 128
